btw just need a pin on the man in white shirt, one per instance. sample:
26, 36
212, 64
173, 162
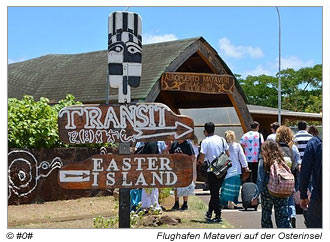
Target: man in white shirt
211, 148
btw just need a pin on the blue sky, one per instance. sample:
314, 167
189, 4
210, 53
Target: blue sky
245, 37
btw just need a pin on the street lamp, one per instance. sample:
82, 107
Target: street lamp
279, 67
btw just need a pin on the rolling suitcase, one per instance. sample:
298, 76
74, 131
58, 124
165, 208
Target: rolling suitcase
247, 193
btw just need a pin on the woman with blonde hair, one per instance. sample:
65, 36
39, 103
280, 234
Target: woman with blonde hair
284, 137
284, 134
231, 185
270, 153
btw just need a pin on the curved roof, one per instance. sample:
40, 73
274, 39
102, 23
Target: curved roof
84, 75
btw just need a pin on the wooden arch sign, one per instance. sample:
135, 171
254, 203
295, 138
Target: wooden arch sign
197, 82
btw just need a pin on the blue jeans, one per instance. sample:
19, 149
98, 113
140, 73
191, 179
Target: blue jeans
291, 207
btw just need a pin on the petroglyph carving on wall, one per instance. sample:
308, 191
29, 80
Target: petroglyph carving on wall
24, 172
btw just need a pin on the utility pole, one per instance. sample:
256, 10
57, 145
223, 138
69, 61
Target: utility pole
279, 67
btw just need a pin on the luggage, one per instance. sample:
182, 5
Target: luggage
220, 165
247, 193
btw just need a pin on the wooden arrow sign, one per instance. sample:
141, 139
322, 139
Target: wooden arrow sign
127, 171
83, 124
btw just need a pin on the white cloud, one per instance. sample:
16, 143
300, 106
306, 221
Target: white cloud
239, 51
271, 68
259, 70
149, 38
294, 63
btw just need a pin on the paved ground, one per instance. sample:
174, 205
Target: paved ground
240, 218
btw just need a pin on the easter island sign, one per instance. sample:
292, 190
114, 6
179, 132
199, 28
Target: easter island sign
197, 82
85, 124
127, 171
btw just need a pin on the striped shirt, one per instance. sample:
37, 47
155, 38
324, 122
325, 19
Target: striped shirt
301, 138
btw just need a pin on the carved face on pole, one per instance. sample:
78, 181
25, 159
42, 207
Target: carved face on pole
124, 53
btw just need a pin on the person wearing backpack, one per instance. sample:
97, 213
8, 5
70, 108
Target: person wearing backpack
312, 167
271, 157
285, 139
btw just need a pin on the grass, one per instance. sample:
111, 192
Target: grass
80, 213
194, 217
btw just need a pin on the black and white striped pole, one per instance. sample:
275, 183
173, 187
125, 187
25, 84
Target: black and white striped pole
124, 53
124, 72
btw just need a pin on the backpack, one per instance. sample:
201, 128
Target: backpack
288, 156
148, 148
220, 165
173, 146
281, 180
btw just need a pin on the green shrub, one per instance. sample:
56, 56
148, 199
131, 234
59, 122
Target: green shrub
136, 217
33, 124
164, 193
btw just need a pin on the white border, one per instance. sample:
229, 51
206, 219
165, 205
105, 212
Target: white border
150, 234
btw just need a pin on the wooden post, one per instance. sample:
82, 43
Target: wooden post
124, 194
242, 111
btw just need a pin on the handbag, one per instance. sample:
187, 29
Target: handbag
245, 175
220, 165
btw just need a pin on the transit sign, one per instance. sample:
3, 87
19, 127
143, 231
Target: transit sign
84, 124
128, 171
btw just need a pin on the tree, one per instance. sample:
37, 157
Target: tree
301, 90
260, 90
307, 93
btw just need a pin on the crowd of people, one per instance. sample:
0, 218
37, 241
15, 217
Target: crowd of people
300, 154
